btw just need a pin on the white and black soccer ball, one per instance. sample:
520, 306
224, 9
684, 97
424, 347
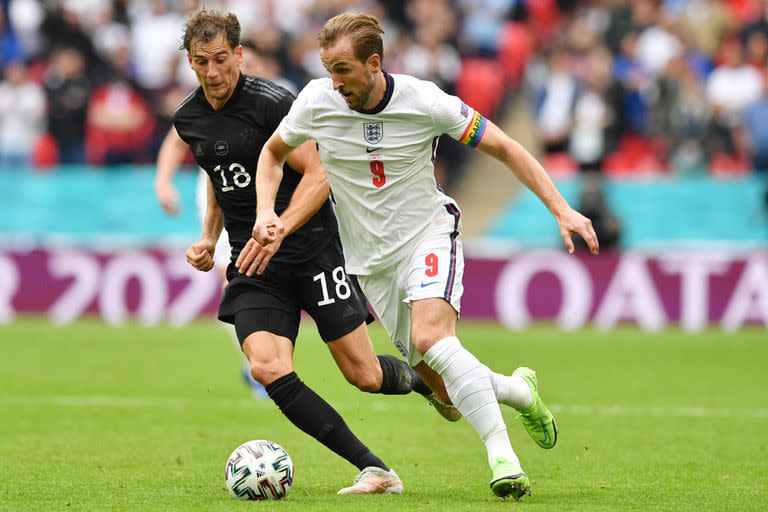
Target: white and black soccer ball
259, 470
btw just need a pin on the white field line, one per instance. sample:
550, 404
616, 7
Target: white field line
384, 404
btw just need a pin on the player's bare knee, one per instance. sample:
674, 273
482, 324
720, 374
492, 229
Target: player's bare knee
266, 372
364, 381
423, 339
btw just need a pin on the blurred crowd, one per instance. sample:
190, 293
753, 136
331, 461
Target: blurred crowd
614, 85
97, 81
642, 85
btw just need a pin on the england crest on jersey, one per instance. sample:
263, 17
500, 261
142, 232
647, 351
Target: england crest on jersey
373, 132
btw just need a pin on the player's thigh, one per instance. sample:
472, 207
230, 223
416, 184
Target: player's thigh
261, 303
331, 297
434, 282
386, 292
436, 266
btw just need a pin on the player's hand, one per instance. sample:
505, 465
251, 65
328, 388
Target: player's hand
255, 257
200, 255
168, 197
268, 228
572, 222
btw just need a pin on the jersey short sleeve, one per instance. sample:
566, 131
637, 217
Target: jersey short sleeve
296, 126
455, 118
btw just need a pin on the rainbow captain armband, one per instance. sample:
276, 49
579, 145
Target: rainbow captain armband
474, 131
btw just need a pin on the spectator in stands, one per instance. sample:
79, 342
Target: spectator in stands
431, 58
704, 23
9, 44
155, 43
68, 89
682, 116
120, 122
756, 130
62, 29
638, 86
758, 24
25, 17
553, 109
756, 50
22, 111
595, 111
657, 44
730, 88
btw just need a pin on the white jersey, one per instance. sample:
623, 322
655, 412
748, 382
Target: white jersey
380, 162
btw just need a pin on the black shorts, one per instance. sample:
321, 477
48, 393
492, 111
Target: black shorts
273, 301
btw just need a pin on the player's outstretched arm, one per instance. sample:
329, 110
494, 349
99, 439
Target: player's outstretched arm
312, 190
530, 172
270, 229
169, 158
269, 173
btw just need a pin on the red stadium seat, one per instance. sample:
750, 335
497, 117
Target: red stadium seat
618, 163
632, 161
724, 165
516, 44
46, 152
560, 165
481, 85
743, 10
544, 16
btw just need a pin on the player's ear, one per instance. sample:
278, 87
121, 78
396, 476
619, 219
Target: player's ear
189, 59
374, 62
239, 53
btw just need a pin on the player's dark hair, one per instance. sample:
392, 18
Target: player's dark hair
205, 26
363, 29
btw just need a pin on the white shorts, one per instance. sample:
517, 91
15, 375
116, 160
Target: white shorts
223, 252
434, 269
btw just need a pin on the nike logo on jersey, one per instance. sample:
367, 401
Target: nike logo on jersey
371, 150
423, 285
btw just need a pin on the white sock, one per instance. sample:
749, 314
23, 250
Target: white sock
468, 384
511, 390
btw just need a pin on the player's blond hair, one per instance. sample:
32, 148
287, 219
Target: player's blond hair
363, 29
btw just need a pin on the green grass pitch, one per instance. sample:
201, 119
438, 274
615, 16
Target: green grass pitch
136, 419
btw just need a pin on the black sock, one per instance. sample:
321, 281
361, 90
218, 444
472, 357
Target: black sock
314, 416
398, 378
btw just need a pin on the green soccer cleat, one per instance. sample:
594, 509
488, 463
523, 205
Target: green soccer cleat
509, 480
537, 419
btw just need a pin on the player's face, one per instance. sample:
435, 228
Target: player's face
216, 66
352, 78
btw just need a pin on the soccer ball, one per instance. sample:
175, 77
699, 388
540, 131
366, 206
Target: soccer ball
259, 470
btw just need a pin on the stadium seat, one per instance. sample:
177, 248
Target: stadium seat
544, 17
45, 153
481, 84
743, 11
516, 44
725, 165
560, 165
632, 162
